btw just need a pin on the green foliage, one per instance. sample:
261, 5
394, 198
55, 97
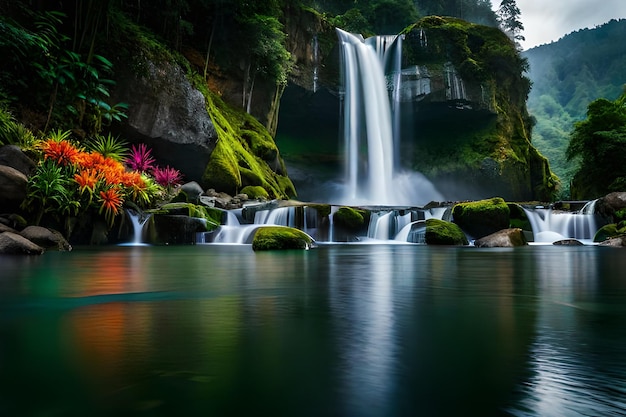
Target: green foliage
15, 133
49, 192
598, 144
108, 146
567, 75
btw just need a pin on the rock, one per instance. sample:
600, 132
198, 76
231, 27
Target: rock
506, 238
609, 230
483, 217
175, 229
441, 232
192, 190
12, 156
46, 238
618, 241
169, 114
612, 206
349, 218
13, 187
280, 238
568, 242
5, 228
14, 244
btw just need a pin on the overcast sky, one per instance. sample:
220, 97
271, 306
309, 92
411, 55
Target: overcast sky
549, 20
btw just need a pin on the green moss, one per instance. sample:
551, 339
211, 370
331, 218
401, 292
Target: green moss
212, 216
255, 192
349, 218
483, 217
280, 238
610, 230
243, 151
222, 171
323, 210
441, 232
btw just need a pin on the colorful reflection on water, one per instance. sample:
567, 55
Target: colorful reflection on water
341, 330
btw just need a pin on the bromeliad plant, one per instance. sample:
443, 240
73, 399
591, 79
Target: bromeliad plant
72, 180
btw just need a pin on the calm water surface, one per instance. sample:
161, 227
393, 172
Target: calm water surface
341, 330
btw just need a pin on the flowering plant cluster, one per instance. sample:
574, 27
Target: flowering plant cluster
71, 180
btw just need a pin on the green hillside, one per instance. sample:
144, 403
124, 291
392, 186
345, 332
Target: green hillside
567, 75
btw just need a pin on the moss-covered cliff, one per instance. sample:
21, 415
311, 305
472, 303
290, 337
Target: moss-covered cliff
477, 139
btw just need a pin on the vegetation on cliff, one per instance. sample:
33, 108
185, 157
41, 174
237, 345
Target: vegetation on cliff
493, 145
567, 75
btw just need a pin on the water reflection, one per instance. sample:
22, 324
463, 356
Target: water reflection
353, 330
578, 355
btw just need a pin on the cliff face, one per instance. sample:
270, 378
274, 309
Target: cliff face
463, 105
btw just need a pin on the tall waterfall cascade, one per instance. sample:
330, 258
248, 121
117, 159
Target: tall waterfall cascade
372, 75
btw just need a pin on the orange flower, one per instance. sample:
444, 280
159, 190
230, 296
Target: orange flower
86, 180
111, 203
62, 152
89, 160
132, 179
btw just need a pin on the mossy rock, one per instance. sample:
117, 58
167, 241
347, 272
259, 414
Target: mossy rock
349, 218
212, 215
441, 232
483, 217
280, 238
323, 210
610, 230
222, 171
255, 192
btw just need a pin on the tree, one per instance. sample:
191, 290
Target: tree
598, 144
508, 18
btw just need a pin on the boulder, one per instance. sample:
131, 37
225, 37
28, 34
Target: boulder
609, 230
568, 242
192, 191
13, 187
612, 206
441, 232
175, 229
618, 241
483, 217
169, 114
12, 156
506, 238
14, 244
46, 238
280, 237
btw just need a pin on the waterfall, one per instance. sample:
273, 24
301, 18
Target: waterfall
550, 225
367, 122
370, 113
316, 60
138, 221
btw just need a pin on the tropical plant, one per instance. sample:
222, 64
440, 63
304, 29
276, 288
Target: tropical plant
14, 133
140, 158
48, 192
108, 146
167, 177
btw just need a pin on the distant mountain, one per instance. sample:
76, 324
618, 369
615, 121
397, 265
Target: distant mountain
567, 75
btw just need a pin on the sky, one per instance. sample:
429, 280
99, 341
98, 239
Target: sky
549, 20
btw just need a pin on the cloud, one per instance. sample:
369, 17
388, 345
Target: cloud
546, 21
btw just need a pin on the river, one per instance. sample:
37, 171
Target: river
339, 330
